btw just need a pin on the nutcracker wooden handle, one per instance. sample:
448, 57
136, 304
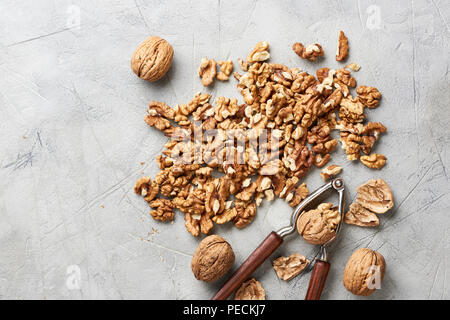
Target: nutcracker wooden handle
265, 249
317, 281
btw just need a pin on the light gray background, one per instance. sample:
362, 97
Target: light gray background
73, 136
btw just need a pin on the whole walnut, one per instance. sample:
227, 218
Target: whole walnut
152, 59
319, 225
212, 259
364, 272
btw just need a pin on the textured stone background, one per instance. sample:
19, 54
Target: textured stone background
73, 136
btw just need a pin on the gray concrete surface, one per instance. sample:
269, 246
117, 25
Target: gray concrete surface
73, 136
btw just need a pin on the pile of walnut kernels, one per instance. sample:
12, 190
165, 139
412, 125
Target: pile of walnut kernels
298, 108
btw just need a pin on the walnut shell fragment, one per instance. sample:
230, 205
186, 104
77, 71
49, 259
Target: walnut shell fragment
152, 59
342, 50
375, 195
319, 225
212, 259
250, 290
290, 267
364, 272
360, 216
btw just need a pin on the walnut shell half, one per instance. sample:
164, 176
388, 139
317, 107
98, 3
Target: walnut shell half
152, 59
364, 272
360, 216
212, 259
375, 195
319, 225
290, 267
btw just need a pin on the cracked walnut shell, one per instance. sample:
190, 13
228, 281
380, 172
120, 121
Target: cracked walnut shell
212, 259
364, 272
152, 59
250, 290
360, 216
319, 225
375, 195
290, 267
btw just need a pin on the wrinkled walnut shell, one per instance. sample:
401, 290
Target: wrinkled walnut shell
319, 225
360, 274
290, 267
152, 59
250, 290
360, 216
375, 195
212, 259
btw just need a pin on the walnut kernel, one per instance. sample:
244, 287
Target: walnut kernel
369, 96
310, 52
342, 50
225, 69
259, 53
374, 161
330, 172
207, 71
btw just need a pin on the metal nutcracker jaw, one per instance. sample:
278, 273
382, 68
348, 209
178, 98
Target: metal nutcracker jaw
336, 184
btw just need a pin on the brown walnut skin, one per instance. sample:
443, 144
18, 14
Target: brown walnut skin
212, 259
357, 273
152, 59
